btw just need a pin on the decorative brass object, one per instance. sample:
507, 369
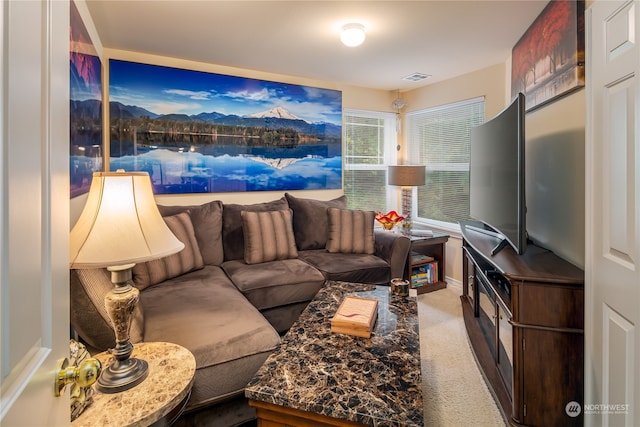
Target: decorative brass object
85, 374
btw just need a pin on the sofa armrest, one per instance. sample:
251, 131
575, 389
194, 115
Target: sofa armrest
393, 248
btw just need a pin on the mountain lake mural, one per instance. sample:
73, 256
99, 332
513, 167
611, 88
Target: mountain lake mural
197, 132
85, 119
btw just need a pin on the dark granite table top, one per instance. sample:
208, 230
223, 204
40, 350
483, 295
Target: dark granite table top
372, 381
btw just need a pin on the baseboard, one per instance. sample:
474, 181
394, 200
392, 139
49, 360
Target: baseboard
454, 284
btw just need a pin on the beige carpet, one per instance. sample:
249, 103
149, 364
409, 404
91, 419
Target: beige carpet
455, 393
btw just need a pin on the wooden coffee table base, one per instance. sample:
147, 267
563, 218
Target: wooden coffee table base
270, 415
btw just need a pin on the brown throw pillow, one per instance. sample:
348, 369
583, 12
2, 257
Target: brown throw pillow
350, 231
207, 225
268, 236
232, 230
310, 225
149, 273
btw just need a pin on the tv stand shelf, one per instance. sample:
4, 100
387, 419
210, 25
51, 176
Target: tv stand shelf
524, 315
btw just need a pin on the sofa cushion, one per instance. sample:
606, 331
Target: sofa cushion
268, 236
310, 223
207, 225
275, 283
205, 313
350, 231
232, 233
361, 268
152, 272
89, 318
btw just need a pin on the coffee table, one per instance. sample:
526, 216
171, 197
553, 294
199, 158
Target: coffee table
317, 377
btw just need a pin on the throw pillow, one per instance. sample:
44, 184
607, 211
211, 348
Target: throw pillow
350, 231
310, 224
149, 273
268, 236
232, 231
207, 225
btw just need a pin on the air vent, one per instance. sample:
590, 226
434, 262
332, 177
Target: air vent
416, 77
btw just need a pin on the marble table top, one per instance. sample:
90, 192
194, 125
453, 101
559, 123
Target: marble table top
171, 370
371, 381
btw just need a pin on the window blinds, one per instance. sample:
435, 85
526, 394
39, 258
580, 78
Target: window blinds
368, 137
439, 138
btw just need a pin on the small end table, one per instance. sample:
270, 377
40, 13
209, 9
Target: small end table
430, 246
161, 396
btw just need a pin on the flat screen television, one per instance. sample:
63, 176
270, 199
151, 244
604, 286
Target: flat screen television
497, 175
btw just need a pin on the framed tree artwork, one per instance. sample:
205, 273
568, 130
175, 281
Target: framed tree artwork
548, 60
199, 132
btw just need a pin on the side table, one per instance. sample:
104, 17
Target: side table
160, 397
431, 246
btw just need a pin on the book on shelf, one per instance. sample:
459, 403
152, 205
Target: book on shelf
426, 274
355, 316
417, 258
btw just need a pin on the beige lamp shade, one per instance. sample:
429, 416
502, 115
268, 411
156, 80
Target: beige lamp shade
406, 175
120, 224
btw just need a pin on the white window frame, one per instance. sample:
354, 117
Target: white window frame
390, 156
448, 227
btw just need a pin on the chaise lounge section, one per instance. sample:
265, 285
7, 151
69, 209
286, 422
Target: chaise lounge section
245, 275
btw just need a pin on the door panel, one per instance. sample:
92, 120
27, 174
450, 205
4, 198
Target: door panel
612, 384
34, 202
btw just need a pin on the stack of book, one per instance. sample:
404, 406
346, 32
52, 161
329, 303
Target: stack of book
426, 274
355, 316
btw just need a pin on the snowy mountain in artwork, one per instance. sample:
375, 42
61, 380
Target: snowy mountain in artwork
275, 112
277, 163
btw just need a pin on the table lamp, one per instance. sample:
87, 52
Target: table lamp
406, 177
119, 227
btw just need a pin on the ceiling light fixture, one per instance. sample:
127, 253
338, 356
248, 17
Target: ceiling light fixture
352, 34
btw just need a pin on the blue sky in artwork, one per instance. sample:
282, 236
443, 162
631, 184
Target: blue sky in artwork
166, 90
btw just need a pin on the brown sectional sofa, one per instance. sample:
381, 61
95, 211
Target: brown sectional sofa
229, 312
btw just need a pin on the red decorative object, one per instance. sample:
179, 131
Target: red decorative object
388, 220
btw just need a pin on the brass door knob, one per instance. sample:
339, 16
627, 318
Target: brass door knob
85, 374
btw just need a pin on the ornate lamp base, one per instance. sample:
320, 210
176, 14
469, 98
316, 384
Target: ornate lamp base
124, 372
123, 375
407, 195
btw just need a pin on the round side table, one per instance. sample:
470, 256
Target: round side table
165, 391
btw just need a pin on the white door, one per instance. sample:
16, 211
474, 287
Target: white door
34, 214
612, 339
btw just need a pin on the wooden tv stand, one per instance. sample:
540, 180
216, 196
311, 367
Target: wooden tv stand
524, 315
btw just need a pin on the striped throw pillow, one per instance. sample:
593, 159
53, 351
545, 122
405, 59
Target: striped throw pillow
268, 236
149, 273
350, 231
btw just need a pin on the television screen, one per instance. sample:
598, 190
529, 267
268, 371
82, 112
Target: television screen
496, 174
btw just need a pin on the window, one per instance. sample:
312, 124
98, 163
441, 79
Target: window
439, 138
369, 147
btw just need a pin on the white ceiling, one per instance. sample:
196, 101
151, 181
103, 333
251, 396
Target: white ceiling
301, 38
